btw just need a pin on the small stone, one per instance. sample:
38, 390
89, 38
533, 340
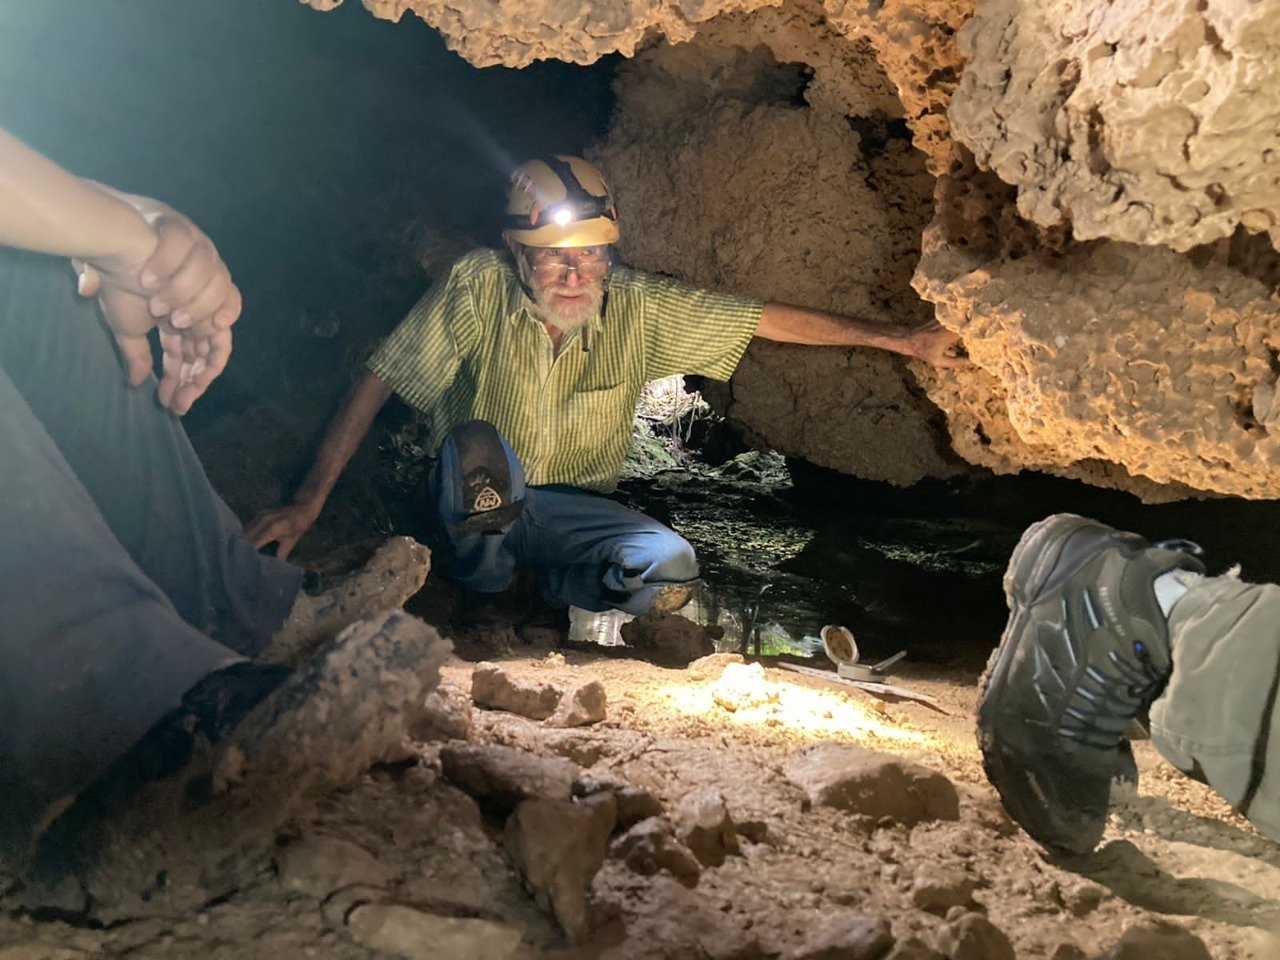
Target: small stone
1082, 898
852, 778
500, 777
493, 688
584, 704
849, 937
742, 686
446, 716
667, 639
701, 819
913, 949
712, 666
558, 845
317, 865
1157, 938
754, 831
406, 932
1068, 951
634, 803
977, 938
651, 846
938, 889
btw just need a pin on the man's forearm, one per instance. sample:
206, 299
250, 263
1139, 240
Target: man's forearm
46, 209
343, 437
784, 323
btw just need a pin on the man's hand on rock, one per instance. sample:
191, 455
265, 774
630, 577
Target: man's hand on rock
937, 345
183, 288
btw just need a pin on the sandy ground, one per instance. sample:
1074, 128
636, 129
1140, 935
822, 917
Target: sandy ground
1173, 850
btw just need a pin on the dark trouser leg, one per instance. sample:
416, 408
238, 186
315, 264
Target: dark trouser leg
92, 653
589, 551
135, 460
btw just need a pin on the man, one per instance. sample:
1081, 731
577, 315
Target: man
1103, 625
530, 365
131, 600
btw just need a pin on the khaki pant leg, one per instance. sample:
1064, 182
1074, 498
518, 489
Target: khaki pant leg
1217, 718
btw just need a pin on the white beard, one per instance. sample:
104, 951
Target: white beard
568, 317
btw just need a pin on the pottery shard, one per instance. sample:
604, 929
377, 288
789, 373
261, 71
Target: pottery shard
500, 777
558, 845
861, 781
938, 889
701, 819
977, 938
446, 715
847, 938
634, 803
406, 932
1162, 939
651, 846
493, 688
318, 865
582, 705
667, 639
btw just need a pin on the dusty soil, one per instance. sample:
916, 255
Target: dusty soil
1173, 850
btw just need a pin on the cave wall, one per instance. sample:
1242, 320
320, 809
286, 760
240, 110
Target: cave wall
1100, 228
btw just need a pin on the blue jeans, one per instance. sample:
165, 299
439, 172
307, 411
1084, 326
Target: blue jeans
587, 550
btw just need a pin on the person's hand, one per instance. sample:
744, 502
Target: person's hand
188, 294
283, 526
935, 344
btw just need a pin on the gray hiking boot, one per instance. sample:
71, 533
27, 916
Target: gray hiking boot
1085, 650
201, 828
391, 576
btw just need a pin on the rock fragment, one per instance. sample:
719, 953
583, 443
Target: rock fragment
446, 715
1068, 951
701, 820
493, 688
500, 777
913, 949
938, 889
977, 938
318, 865
667, 639
742, 686
405, 932
712, 665
558, 845
1082, 898
1158, 938
634, 803
852, 778
854, 937
583, 705
651, 846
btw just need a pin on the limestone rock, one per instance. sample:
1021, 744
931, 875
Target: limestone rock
913, 949
938, 889
317, 865
634, 803
583, 705
1156, 125
558, 845
725, 943
712, 666
1158, 938
446, 715
742, 686
852, 778
405, 932
701, 820
846, 937
494, 688
977, 938
500, 777
651, 846
667, 639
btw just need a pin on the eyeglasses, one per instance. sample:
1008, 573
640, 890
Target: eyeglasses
554, 263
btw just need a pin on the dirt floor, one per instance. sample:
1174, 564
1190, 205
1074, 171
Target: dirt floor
405, 837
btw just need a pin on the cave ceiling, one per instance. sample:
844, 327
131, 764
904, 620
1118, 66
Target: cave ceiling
1087, 192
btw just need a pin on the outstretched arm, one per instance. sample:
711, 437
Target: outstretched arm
286, 525
785, 323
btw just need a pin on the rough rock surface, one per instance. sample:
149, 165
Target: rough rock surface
318, 865
1156, 124
974, 937
446, 715
583, 705
651, 846
742, 686
938, 889
405, 932
846, 938
633, 803
492, 688
668, 639
701, 819
500, 777
1158, 939
852, 778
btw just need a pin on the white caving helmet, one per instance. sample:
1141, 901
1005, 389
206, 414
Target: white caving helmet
560, 201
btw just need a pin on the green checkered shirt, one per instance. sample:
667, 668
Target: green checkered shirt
470, 349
